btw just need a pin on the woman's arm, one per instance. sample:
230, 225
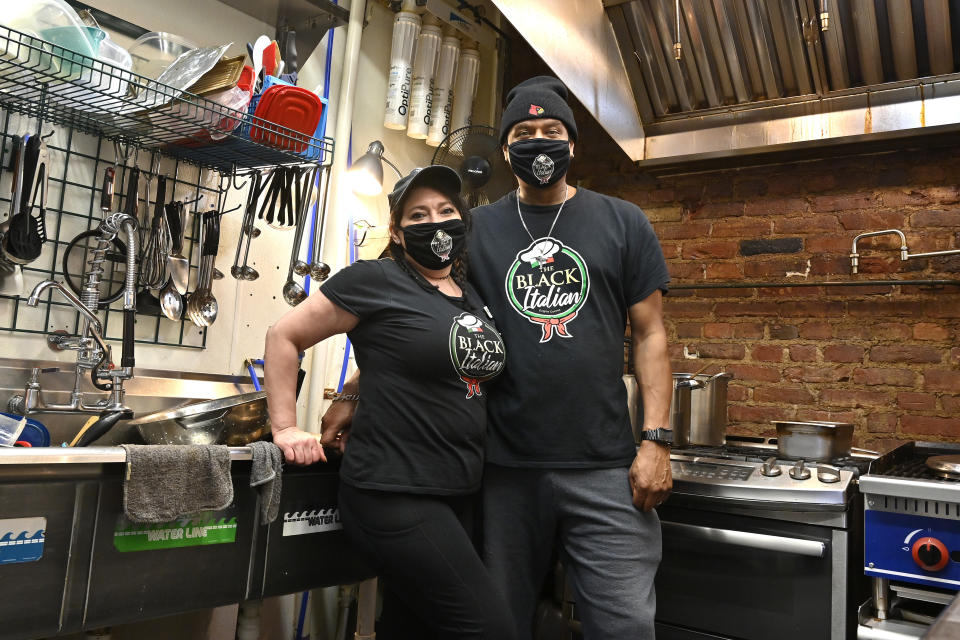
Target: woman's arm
313, 320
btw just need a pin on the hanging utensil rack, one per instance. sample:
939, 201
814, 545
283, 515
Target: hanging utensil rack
55, 87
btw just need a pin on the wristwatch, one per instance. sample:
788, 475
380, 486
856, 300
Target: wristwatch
660, 436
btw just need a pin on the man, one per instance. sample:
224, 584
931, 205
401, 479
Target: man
561, 268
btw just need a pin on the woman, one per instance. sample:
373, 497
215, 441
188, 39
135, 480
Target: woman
424, 344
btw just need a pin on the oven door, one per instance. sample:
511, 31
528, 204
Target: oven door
735, 576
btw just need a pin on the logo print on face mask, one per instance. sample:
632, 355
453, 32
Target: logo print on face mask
543, 168
476, 351
536, 110
547, 283
442, 244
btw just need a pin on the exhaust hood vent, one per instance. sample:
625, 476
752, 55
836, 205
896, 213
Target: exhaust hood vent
758, 76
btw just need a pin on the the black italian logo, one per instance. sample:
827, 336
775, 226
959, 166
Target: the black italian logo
547, 283
476, 350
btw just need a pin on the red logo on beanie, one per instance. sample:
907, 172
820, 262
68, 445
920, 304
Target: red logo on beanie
536, 110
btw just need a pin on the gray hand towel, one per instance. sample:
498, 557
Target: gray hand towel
265, 473
165, 482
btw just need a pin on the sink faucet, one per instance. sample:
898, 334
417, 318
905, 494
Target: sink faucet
904, 254
93, 354
855, 257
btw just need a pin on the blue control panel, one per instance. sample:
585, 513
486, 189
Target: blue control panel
912, 548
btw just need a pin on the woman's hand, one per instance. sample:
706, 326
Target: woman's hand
335, 424
299, 447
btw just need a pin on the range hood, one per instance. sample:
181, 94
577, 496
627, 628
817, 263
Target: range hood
758, 78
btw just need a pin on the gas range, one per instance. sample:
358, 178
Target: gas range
912, 518
788, 536
749, 472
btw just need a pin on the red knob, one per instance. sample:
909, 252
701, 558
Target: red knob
930, 554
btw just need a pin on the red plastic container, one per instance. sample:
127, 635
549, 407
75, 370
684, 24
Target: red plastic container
293, 108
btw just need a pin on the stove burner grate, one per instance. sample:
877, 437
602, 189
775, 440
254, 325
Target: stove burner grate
916, 467
758, 454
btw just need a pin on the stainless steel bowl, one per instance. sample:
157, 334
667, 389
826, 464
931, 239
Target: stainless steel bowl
234, 420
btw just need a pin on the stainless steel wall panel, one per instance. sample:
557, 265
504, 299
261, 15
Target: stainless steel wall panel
647, 37
738, 10
697, 49
632, 63
835, 46
766, 49
900, 18
732, 50
788, 70
939, 41
705, 18
688, 88
868, 40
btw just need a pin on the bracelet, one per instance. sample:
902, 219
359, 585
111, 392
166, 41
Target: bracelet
347, 397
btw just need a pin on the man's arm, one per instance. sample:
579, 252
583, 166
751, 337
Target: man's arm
650, 476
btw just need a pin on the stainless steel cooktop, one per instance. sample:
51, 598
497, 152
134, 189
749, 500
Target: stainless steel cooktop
748, 470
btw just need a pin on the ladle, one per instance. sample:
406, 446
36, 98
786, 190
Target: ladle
319, 270
247, 232
293, 292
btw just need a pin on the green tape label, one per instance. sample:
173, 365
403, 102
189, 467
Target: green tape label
185, 532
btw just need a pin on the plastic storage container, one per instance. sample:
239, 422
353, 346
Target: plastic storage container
98, 87
153, 52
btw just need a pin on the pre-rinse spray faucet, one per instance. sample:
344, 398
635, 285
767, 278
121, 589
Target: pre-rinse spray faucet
93, 354
904, 253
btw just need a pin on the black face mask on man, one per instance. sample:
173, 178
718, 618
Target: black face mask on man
540, 162
435, 245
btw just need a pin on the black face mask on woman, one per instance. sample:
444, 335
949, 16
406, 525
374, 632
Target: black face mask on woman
435, 245
540, 162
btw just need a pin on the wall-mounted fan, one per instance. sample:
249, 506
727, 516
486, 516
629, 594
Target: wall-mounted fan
474, 152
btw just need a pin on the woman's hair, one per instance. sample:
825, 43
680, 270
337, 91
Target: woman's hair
395, 250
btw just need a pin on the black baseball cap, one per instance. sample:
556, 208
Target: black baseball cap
442, 178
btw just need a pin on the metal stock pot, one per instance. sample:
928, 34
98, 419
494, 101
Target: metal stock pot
698, 408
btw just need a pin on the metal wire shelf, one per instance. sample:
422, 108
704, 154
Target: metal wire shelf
59, 86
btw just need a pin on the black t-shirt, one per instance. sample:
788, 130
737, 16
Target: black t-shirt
561, 305
420, 423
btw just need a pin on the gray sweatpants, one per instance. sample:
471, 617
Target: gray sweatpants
610, 549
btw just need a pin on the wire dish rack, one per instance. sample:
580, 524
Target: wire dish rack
58, 86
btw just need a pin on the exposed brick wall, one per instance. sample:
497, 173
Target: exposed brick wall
883, 357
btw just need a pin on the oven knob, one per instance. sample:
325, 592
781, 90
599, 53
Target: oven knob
799, 471
930, 554
770, 467
827, 474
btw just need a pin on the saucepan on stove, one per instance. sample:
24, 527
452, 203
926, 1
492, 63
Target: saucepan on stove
814, 441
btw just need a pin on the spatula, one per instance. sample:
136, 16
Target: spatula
179, 266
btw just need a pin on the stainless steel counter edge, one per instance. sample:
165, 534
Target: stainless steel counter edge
83, 455
908, 488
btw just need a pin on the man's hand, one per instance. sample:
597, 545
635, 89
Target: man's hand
335, 424
650, 477
299, 447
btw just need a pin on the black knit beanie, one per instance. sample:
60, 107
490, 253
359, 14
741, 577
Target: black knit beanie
540, 97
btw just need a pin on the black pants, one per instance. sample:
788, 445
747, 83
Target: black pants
421, 546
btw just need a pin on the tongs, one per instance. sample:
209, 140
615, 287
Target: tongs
26, 234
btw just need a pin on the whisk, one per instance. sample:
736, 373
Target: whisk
157, 246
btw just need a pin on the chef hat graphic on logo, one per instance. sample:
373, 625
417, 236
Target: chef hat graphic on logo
536, 110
